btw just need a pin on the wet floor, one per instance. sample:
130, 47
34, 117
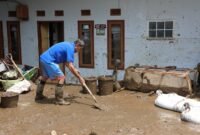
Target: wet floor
125, 113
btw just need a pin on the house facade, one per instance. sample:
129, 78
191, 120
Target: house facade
145, 32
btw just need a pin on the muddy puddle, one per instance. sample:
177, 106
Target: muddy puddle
128, 113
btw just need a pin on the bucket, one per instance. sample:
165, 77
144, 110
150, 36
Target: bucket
9, 99
8, 83
91, 82
105, 85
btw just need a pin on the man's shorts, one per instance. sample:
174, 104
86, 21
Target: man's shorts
51, 70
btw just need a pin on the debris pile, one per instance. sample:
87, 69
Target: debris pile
169, 79
14, 79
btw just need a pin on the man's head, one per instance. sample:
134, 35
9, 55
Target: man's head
79, 44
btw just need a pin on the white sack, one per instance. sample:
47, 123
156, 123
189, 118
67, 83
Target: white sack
171, 101
190, 114
20, 87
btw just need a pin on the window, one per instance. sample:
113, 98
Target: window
40, 13
86, 32
12, 13
59, 13
85, 12
115, 12
14, 42
161, 30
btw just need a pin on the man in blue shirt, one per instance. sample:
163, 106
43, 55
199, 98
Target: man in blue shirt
62, 52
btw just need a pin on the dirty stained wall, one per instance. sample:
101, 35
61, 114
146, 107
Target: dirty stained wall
182, 51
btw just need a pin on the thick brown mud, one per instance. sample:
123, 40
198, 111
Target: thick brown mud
126, 113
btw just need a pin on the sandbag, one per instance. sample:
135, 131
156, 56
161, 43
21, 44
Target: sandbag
190, 113
173, 101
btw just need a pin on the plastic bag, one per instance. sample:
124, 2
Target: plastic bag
10, 75
3, 67
20, 87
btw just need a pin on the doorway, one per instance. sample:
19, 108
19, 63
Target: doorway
14, 40
115, 43
50, 33
86, 55
1, 41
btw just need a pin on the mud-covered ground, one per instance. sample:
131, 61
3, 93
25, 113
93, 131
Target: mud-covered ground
126, 113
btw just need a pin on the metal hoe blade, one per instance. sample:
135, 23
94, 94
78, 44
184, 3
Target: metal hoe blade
96, 105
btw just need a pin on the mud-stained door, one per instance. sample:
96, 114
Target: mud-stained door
1, 41
115, 43
49, 33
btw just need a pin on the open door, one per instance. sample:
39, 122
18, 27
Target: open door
14, 40
44, 37
1, 41
50, 33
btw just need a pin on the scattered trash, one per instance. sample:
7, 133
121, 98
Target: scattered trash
9, 75
14, 79
29, 72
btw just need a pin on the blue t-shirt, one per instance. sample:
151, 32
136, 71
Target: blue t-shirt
59, 53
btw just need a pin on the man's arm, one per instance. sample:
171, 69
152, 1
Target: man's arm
75, 72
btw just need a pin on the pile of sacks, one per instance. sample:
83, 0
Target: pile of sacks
189, 108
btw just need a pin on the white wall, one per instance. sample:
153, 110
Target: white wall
183, 51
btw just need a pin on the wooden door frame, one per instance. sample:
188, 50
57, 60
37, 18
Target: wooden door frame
90, 22
122, 36
39, 34
40, 40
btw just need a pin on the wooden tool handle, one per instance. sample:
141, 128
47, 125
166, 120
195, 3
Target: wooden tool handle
90, 92
16, 67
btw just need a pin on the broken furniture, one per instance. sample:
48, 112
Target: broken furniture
146, 79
